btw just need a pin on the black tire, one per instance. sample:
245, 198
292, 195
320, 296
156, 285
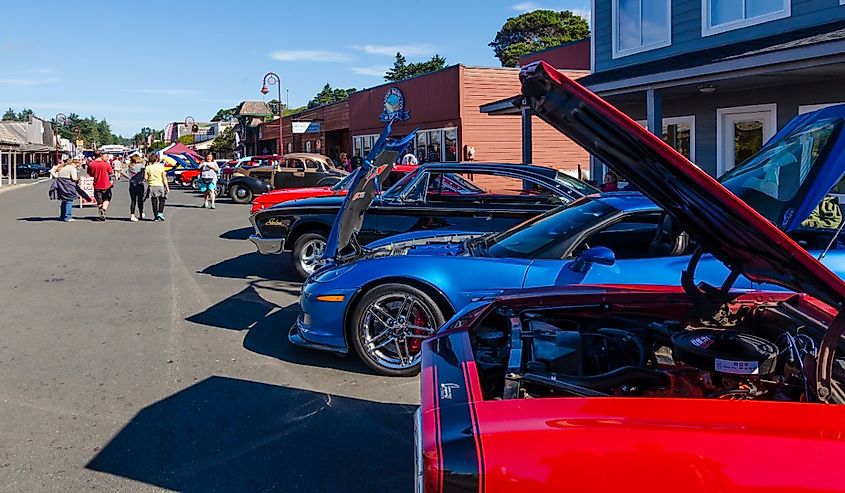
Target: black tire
33, 176
361, 317
240, 194
305, 245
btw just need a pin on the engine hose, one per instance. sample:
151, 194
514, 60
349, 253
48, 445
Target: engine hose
627, 336
626, 375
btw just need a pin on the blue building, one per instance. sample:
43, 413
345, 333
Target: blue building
717, 78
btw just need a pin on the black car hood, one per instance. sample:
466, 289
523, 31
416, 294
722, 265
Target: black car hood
363, 189
720, 222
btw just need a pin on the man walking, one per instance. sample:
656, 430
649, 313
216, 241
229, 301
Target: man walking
101, 170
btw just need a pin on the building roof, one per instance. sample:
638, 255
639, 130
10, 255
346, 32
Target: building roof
7, 136
571, 55
747, 48
253, 108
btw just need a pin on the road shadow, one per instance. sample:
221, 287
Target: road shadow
237, 234
249, 265
40, 219
226, 434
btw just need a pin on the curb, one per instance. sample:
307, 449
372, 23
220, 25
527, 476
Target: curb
9, 188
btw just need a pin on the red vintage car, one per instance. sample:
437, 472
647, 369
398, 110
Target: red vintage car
190, 177
695, 388
274, 197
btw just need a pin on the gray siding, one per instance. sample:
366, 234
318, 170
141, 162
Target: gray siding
686, 29
787, 98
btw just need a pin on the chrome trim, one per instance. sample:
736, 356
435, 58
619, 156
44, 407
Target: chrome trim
267, 246
418, 450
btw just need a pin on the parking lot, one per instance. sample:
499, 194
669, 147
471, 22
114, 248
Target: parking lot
142, 356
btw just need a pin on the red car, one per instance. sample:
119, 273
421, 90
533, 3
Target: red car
189, 177
274, 197
695, 388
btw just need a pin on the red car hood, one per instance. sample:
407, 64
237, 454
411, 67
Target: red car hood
720, 222
281, 195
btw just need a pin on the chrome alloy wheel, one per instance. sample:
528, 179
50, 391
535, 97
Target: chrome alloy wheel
311, 255
394, 326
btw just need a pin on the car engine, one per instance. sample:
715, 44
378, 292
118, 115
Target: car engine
530, 355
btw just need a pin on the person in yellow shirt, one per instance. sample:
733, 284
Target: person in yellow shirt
157, 188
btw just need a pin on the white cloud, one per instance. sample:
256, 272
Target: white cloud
43, 70
526, 6
417, 49
372, 70
309, 56
28, 82
172, 93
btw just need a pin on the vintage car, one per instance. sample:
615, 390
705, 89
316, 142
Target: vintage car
190, 177
28, 170
591, 388
479, 197
293, 171
274, 197
619, 238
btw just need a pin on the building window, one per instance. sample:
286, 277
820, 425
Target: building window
718, 16
641, 25
307, 146
679, 133
361, 145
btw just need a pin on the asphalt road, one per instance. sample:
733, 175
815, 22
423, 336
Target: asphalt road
148, 356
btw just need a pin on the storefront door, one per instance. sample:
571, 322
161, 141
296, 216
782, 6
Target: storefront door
741, 132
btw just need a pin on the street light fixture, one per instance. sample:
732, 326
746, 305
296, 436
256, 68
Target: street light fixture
274, 80
192, 125
60, 121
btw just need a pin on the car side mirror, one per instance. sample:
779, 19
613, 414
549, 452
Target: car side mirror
596, 255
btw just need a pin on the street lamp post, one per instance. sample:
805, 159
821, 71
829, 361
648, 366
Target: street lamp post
76, 134
60, 121
274, 80
192, 124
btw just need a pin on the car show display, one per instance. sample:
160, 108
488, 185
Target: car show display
290, 171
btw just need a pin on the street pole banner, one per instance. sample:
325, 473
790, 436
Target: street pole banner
86, 183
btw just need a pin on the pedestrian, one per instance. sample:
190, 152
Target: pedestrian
64, 186
344, 162
137, 189
157, 188
101, 170
208, 180
410, 158
117, 164
611, 182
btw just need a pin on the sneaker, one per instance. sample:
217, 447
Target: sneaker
102, 214
212, 206
69, 220
205, 205
143, 215
160, 216
133, 218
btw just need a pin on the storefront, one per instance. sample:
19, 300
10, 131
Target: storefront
322, 130
444, 107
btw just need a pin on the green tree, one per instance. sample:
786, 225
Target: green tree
402, 70
224, 115
535, 31
10, 115
329, 95
224, 144
187, 139
24, 115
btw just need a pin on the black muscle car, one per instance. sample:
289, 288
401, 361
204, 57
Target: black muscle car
461, 197
293, 171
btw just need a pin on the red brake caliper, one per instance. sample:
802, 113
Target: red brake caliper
419, 320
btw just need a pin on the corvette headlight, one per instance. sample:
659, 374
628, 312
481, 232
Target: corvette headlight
333, 273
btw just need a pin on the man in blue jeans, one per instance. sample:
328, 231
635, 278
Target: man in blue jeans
66, 176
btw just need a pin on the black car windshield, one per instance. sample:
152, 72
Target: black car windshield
770, 180
575, 184
542, 233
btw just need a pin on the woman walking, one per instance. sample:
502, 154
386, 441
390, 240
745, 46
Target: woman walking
156, 178
137, 188
208, 180
65, 179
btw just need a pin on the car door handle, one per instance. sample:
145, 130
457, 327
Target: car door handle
487, 217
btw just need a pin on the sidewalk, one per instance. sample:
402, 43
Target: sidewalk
6, 187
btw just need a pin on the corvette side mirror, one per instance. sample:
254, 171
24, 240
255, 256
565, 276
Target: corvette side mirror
596, 255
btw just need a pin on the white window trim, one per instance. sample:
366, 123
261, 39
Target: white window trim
677, 120
771, 108
614, 27
708, 30
808, 108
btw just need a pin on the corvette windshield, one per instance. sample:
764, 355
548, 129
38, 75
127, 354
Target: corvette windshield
575, 184
543, 233
345, 182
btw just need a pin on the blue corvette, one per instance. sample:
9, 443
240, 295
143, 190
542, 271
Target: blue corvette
384, 299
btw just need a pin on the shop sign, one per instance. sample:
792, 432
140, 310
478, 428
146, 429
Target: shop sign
305, 127
394, 106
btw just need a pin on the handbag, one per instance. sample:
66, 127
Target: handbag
208, 175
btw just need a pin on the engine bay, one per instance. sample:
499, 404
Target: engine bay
764, 353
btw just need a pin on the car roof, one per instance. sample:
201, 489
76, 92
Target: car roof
307, 155
630, 202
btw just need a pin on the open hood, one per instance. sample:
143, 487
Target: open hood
719, 221
363, 189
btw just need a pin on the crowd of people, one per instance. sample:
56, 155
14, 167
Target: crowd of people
147, 180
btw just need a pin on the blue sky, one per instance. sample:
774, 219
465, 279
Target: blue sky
146, 63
